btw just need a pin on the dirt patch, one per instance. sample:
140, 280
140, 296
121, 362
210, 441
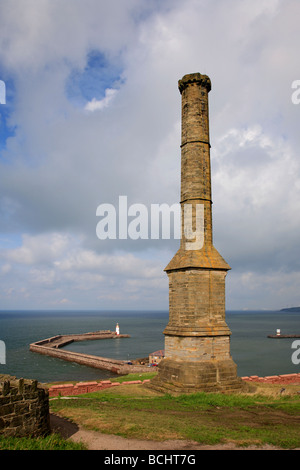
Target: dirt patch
152, 422
99, 441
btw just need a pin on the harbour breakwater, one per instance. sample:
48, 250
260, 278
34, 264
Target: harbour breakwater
52, 347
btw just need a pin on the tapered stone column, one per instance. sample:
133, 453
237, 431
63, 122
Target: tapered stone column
197, 338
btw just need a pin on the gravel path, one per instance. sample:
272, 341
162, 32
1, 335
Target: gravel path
98, 441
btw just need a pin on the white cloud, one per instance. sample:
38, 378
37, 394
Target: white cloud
269, 290
39, 249
6, 268
94, 104
54, 266
48, 32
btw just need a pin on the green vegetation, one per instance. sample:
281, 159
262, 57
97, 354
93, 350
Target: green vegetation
265, 416
118, 378
51, 442
134, 411
138, 376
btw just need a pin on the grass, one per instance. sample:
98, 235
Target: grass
51, 442
138, 376
119, 378
133, 411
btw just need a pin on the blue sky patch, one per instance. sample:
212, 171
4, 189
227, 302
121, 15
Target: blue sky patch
91, 82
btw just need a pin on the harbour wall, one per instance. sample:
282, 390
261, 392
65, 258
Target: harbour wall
51, 347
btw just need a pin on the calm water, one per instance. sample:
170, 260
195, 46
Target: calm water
252, 351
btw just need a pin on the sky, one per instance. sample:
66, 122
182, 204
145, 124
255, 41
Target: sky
92, 112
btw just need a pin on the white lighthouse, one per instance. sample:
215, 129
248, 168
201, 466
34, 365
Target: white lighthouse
117, 329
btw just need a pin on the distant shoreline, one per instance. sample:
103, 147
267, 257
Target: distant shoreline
292, 309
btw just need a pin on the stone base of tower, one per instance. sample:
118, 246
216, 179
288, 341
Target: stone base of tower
198, 363
177, 377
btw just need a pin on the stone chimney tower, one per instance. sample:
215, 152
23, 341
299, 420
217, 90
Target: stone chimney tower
197, 338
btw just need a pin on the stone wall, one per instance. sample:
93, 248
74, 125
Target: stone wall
51, 347
87, 387
24, 408
197, 348
284, 379
113, 365
197, 302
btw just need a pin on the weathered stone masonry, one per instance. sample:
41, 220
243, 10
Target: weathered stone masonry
197, 338
24, 408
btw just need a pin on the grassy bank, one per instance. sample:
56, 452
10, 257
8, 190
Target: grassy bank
267, 416
133, 411
52, 442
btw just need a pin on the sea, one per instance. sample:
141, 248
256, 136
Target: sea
251, 349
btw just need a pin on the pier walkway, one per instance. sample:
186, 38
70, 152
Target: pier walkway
52, 347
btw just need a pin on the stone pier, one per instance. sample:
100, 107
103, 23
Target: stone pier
53, 347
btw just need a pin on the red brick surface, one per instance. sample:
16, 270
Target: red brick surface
87, 387
275, 379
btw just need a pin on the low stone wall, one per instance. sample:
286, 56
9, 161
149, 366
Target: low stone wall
24, 408
48, 341
64, 390
59, 341
87, 387
51, 347
113, 365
